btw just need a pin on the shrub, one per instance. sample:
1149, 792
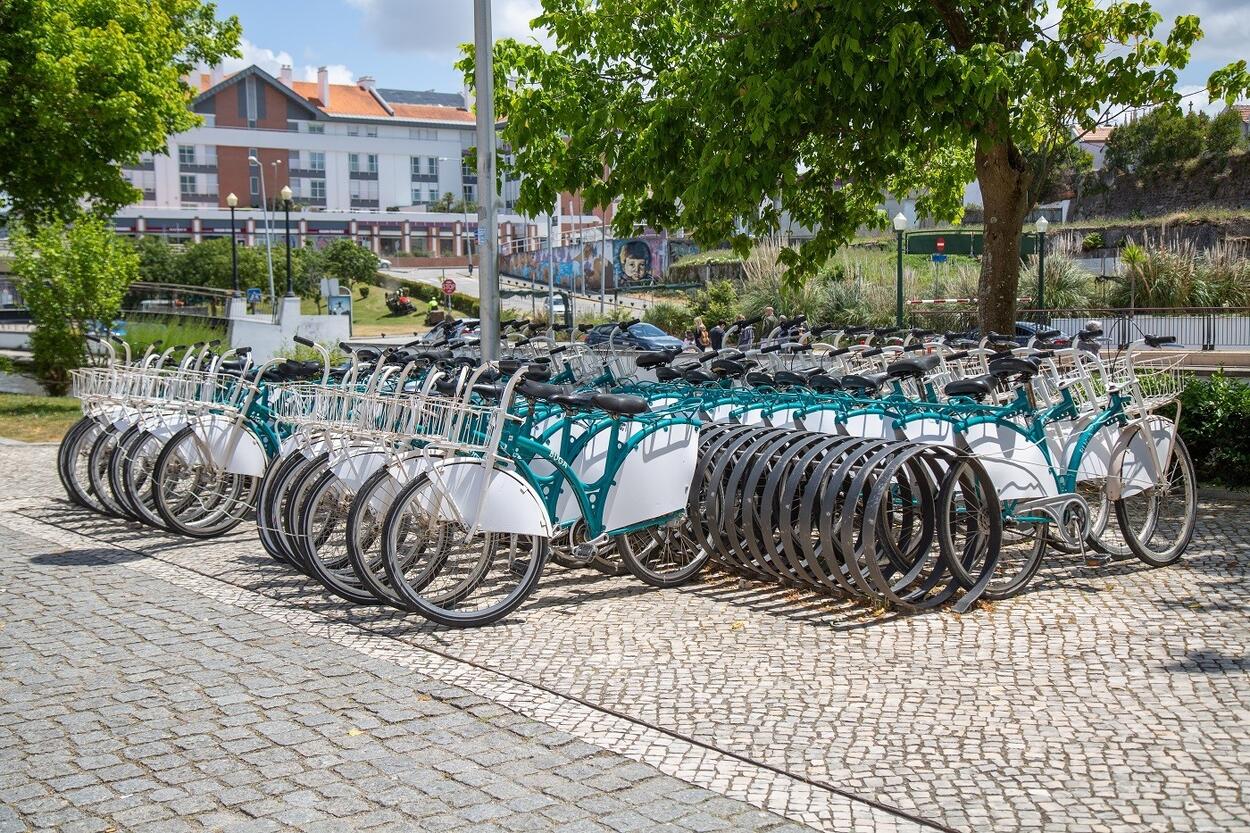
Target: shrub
717, 302
70, 277
364, 291
672, 318
1216, 426
1091, 241
1223, 133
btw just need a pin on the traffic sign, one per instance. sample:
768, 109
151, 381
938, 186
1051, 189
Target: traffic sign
481, 234
939, 258
940, 244
449, 286
253, 295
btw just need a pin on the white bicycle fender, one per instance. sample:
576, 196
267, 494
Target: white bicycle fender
654, 480
1133, 460
508, 505
232, 448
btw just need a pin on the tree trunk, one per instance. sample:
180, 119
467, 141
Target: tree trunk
1004, 180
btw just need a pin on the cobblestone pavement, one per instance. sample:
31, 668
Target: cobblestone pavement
1112, 700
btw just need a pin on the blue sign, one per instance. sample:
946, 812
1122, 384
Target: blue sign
253, 295
939, 258
481, 234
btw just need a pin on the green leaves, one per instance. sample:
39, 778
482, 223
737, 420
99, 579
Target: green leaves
89, 85
69, 276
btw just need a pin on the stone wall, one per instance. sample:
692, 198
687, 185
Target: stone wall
1223, 183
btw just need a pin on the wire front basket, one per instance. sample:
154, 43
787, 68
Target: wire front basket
1151, 381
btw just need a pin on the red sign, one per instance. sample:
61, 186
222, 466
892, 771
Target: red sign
449, 286
941, 244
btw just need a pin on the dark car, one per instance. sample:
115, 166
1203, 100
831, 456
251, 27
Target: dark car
1026, 331
638, 337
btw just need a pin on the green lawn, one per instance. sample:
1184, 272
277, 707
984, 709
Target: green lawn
370, 317
37, 418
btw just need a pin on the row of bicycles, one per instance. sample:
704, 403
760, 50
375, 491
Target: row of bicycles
900, 467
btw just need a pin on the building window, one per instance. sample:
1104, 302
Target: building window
315, 128
316, 161
415, 162
371, 130
254, 185
353, 130
186, 154
372, 160
465, 170
423, 134
363, 189
253, 154
317, 189
431, 165
353, 163
416, 196
470, 193
210, 155
432, 195
186, 184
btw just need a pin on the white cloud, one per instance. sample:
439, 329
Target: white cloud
271, 62
439, 28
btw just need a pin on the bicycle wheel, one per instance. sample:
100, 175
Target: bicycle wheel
269, 504
194, 496
137, 477
663, 556
97, 470
116, 466
323, 538
1159, 522
449, 576
364, 536
72, 462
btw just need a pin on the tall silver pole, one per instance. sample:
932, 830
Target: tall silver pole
551, 282
487, 221
264, 207
603, 262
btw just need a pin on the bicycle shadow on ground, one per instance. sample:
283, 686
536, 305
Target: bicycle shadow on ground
88, 557
801, 605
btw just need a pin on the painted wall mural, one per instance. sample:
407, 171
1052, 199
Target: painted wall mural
634, 263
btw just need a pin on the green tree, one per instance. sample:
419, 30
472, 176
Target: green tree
208, 264
718, 301
349, 262
70, 276
158, 262
1223, 133
89, 85
712, 118
1163, 137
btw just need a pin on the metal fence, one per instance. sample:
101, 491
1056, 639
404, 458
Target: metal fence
1198, 328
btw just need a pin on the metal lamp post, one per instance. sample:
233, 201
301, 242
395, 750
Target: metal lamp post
487, 216
233, 202
1042, 224
900, 228
264, 208
286, 205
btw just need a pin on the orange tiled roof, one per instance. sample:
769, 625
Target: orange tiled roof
345, 99
431, 111
1097, 135
1243, 110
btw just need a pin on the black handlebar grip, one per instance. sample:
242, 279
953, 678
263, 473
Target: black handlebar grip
308, 342
992, 336
625, 325
585, 328
1043, 354
215, 343
1159, 341
840, 351
751, 322
915, 348
560, 349
242, 351
708, 356
770, 348
958, 354
91, 337
523, 342
117, 338
875, 351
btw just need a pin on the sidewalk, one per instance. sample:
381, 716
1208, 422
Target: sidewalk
149, 680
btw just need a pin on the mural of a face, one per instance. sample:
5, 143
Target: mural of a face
634, 268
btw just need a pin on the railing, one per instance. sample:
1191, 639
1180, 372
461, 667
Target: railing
162, 302
1198, 328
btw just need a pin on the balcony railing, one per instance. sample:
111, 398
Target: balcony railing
363, 175
361, 202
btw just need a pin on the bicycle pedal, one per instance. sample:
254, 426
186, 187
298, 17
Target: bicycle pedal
584, 551
520, 566
1094, 560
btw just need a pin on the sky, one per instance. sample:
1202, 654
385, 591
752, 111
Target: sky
412, 44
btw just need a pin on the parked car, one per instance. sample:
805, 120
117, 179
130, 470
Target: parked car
1026, 331
383, 263
639, 337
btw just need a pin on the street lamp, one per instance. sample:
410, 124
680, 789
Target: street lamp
900, 228
233, 202
265, 213
1042, 224
286, 204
